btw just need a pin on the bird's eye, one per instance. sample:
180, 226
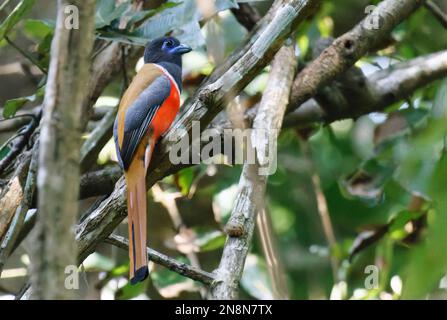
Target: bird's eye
169, 43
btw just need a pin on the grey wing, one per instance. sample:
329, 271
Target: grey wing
139, 116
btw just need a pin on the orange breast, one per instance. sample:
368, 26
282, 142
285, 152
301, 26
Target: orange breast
167, 112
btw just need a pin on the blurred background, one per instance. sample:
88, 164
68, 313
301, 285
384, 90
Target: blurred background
378, 180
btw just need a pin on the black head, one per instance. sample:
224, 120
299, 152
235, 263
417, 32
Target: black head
165, 49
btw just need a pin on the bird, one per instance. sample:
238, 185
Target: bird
146, 111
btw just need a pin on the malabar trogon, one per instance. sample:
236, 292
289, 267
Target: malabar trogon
146, 111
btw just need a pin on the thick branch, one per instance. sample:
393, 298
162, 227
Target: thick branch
252, 183
60, 140
350, 47
100, 182
380, 90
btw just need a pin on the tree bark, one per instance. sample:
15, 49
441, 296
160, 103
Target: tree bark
350, 47
60, 140
252, 184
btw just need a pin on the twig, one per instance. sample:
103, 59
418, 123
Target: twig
17, 121
322, 209
97, 139
437, 12
26, 55
326, 222
24, 292
123, 67
4, 4
165, 261
272, 256
168, 201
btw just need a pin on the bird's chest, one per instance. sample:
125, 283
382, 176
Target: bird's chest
167, 112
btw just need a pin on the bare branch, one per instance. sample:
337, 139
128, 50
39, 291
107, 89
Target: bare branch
100, 182
350, 47
97, 139
165, 261
381, 89
252, 183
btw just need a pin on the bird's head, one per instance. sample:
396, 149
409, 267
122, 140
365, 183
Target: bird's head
165, 49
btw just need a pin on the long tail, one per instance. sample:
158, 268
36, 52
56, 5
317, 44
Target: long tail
137, 213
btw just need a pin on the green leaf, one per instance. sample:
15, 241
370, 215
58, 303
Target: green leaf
14, 17
185, 179
13, 105
98, 262
107, 11
4, 150
121, 270
208, 240
255, 279
439, 109
223, 202
38, 29
397, 226
44, 50
428, 261
183, 19
130, 291
141, 16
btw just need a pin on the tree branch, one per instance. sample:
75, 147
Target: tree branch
60, 141
167, 262
349, 48
380, 90
252, 183
97, 139
100, 182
